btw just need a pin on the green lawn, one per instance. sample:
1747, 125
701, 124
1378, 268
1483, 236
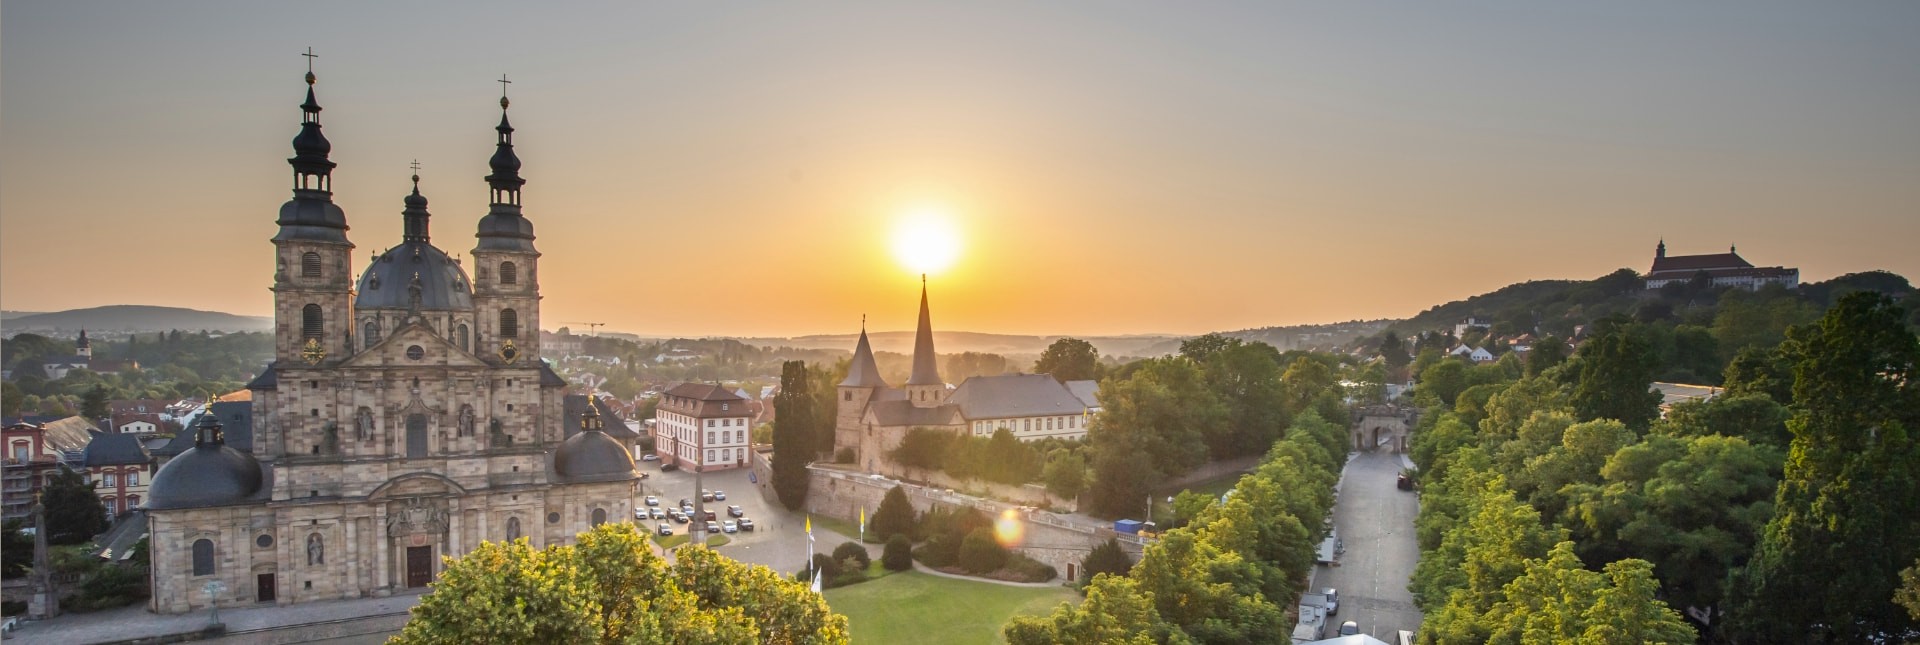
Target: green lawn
913, 607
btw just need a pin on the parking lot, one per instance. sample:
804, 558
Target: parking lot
778, 540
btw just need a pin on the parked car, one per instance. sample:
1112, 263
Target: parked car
649, 457
735, 511
1349, 628
706, 496
656, 513
678, 517
713, 527
666, 529
720, 495
729, 527
1333, 600
711, 516
640, 514
653, 501
667, 466
686, 503
1404, 482
746, 524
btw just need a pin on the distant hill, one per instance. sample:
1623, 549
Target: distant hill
136, 318
10, 315
954, 342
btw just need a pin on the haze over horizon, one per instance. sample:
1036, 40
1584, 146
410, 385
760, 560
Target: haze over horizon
1106, 168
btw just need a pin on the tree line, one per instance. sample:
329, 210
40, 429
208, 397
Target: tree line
1562, 506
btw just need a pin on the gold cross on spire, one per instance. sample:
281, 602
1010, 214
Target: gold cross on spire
503, 91
310, 56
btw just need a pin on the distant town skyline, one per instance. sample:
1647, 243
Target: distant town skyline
1104, 168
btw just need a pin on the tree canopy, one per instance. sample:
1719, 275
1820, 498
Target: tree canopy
1069, 359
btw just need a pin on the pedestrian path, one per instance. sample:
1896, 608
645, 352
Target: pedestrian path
933, 572
128, 623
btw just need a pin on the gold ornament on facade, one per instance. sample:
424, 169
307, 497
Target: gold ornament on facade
508, 352
313, 352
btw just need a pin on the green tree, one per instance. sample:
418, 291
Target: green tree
1245, 378
1152, 426
1908, 595
74, 513
793, 435
1066, 474
610, 588
852, 556
1445, 381
1395, 351
898, 555
981, 553
1847, 515
1761, 370
1550, 351
16, 549
1069, 359
1616, 376
1107, 558
10, 399
1304, 380
1559, 601
1200, 348
1211, 594
1117, 612
924, 448
895, 516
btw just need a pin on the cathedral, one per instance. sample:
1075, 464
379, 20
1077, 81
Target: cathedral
406, 416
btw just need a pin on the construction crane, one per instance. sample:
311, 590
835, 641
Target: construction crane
592, 327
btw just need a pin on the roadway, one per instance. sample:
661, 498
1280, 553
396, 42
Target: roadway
1375, 519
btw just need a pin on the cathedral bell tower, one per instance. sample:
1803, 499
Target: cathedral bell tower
506, 288
312, 282
925, 387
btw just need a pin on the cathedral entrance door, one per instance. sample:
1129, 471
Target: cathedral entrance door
266, 587
419, 566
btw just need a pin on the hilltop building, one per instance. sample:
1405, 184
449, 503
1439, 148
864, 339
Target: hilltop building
872, 417
403, 419
1723, 269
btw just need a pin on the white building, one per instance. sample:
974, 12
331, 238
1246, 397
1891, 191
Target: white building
702, 427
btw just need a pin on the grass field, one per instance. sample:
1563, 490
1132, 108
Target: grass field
913, 607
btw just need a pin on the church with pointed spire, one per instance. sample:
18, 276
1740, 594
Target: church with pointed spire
872, 418
407, 414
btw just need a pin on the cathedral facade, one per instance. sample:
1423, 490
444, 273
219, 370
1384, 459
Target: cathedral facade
406, 416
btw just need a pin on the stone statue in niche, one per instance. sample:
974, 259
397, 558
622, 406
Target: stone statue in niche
363, 425
316, 550
330, 438
466, 421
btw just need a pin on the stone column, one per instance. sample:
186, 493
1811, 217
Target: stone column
382, 552
455, 545
352, 553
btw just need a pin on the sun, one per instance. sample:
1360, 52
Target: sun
925, 240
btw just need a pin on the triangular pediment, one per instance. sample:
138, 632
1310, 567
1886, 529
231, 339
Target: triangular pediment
395, 351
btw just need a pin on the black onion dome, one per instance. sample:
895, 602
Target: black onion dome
211, 473
310, 147
592, 455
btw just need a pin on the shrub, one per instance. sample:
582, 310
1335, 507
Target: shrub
895, 516
899, 554
980, 553
854, 554
939, 551
826, 565
107, 588
1030, 570
1106, 558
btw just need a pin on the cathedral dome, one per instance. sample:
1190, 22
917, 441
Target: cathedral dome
592, 455
389, 280
211, 473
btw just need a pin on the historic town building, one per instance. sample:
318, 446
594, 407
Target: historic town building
872, 417
702, 427
1721, 269
404, 418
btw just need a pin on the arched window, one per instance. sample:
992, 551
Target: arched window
310, 265
460, 337
311, 324
203, 557
373, 334
508, 273
599, 516
513, 529
509, 323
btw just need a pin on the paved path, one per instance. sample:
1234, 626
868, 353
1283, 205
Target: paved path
1375, 519
134, 622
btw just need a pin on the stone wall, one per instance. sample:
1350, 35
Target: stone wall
1052, 539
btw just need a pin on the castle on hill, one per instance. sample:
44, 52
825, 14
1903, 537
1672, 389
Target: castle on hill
1722, 269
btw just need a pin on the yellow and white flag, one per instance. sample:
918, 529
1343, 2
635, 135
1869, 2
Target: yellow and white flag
809, 525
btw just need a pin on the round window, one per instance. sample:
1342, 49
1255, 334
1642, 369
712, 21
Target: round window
264, 541
553, 518
415, 353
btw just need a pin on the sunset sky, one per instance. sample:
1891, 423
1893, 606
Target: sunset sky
740, 168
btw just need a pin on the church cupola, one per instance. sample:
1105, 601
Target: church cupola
312, 284
505, 180
414, 217
311, 169
506, 279
1660, 251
